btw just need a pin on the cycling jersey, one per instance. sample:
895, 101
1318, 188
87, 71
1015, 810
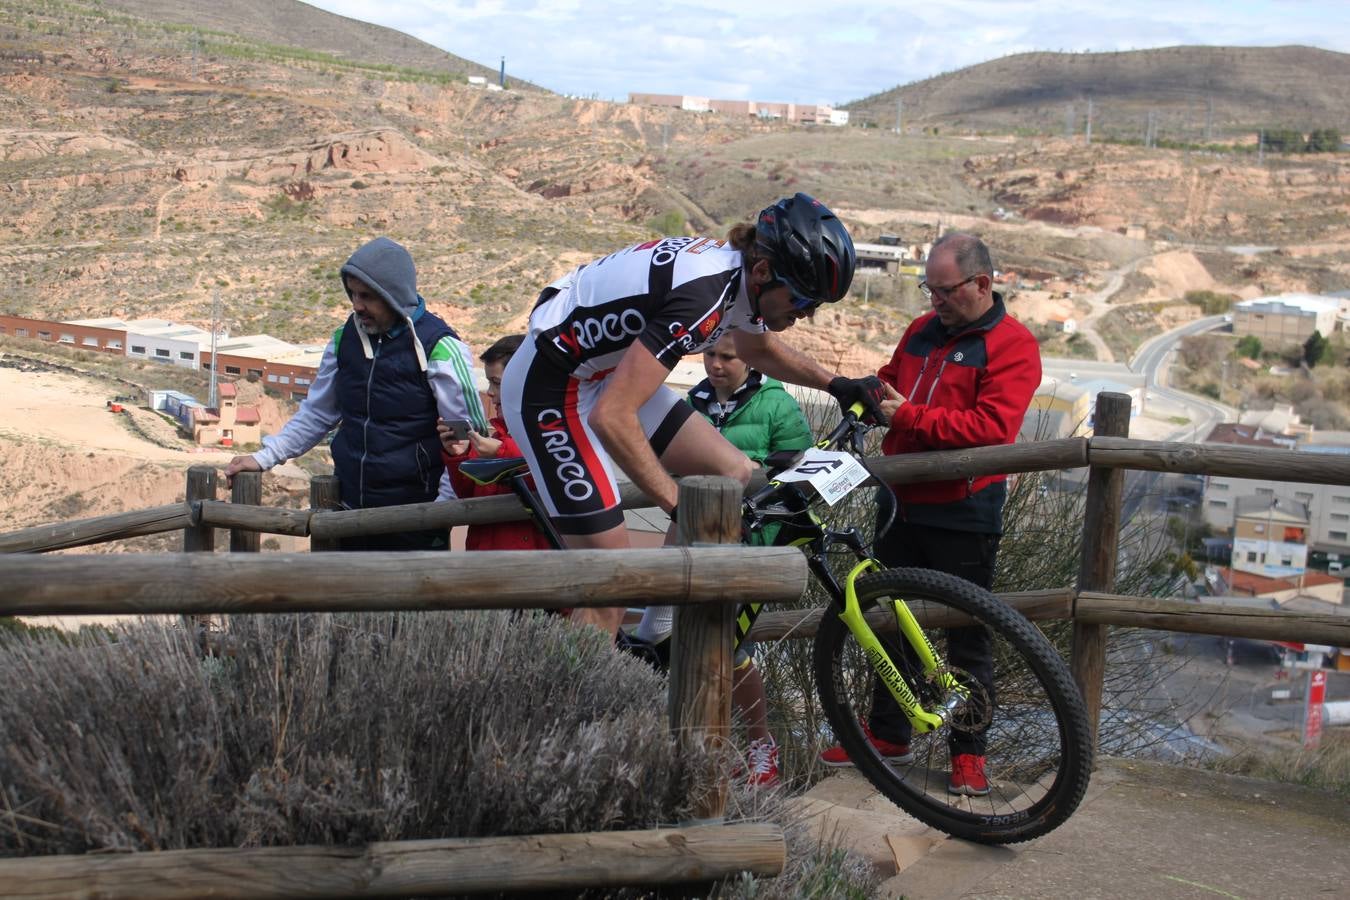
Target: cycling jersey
676, 296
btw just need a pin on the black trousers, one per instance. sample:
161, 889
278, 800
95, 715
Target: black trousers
431, 539
966, 554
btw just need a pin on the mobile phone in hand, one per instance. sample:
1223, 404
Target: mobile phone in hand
459, 429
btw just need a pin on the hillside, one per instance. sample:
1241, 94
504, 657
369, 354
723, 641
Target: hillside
147, 165
1231, 90
291, 24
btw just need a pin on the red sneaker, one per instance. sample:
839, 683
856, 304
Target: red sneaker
968, 776
763, 771
896, 754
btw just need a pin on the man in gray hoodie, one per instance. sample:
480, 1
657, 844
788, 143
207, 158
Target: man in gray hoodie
389, 372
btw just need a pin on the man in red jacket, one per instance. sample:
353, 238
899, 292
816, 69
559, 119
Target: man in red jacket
963, 375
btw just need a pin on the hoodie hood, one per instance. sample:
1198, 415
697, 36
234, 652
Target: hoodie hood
388, 269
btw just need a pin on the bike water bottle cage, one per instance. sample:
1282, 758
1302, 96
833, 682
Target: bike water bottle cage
491, 471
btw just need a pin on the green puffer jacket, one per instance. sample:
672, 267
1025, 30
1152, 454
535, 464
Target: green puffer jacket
765, 420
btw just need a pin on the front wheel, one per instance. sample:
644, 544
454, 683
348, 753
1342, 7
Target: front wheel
1017, 704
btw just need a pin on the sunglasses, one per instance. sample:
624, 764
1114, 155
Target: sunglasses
799, 300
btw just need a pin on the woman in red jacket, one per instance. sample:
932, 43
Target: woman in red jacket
519, 535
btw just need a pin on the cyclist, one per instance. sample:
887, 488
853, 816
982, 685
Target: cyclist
754, 413
586, 391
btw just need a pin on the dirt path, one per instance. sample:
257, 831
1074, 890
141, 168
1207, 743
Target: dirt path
159, 208
1100, 301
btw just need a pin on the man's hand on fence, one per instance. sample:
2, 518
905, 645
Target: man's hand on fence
240, 464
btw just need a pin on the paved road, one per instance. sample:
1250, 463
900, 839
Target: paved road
1143, 830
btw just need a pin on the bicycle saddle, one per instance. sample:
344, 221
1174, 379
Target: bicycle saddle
491, 471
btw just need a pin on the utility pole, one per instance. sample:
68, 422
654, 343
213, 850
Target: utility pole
1089, 121
211, 401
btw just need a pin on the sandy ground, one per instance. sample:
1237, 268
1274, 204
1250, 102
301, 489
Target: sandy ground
71, 412
68, 457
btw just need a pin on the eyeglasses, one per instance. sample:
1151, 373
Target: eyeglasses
942, 293
800, 301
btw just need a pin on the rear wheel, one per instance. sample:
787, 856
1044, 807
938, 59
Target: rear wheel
1028, 714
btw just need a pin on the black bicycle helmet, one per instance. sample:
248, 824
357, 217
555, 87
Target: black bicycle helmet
807, 246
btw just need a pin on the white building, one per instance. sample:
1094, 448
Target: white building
1286, 319
1328, 505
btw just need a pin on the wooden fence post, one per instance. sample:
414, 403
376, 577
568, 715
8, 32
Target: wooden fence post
246, 489
1097, 568
700, 657
324, 493
201, 485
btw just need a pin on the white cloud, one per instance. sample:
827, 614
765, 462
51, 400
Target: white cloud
795, 50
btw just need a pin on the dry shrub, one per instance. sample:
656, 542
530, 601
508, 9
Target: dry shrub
331, 729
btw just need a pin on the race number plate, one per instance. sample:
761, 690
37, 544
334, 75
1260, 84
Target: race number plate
831, 473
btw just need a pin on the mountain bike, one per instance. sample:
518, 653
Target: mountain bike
893, 624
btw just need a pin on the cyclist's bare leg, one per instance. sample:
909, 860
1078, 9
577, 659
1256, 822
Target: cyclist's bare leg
606, 618
699, 449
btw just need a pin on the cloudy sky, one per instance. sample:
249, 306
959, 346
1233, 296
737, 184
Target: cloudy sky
811, 52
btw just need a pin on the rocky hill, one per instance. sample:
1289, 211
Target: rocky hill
1194, 93
288, 26
148, 164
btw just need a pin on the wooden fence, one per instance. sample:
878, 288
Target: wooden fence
700, 706
705, 583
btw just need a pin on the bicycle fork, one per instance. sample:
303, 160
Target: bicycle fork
922, 720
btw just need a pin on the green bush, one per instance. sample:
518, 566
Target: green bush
1210, 303
671, 222
1249, 346
1324, 140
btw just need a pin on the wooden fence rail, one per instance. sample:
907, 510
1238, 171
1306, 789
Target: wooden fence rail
330, 582
329, 525
98, 530
665, 856
1092, 608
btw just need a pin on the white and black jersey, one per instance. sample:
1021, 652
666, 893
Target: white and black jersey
677, 295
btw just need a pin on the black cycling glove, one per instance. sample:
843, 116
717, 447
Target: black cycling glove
868, 391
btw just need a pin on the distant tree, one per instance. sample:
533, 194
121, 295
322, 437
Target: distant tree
1285, 140
1324, 140
1202, 351
1210, 302
1249, 346
1316, 349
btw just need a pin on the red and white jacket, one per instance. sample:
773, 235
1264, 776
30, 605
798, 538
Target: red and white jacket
968, 388
517, 535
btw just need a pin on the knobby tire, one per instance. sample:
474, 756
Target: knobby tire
1039, 754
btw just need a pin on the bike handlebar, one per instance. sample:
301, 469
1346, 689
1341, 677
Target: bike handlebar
848, 433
